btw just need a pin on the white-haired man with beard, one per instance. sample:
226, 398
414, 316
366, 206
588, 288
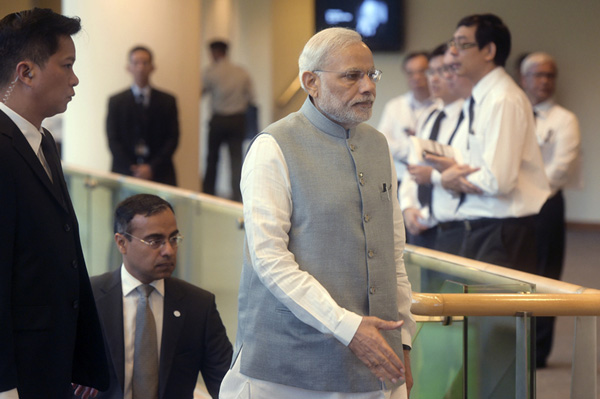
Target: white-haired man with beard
324, 302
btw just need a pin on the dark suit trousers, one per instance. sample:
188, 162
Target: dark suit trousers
550, 231
508, 242
229, 129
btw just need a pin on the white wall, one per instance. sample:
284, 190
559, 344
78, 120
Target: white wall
110, 28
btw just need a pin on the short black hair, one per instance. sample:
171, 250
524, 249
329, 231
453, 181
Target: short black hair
489, 28
140, 48
438, 51
412, 55
219, 45
140, 204
31, 35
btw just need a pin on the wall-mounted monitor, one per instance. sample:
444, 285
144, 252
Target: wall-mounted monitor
380, 22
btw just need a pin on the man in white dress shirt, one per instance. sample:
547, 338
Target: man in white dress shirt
557, 131
401, 114
502, 184
324, 290
442, 123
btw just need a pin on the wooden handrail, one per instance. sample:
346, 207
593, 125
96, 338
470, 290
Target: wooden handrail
429, 304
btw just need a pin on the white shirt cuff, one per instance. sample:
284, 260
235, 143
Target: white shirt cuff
347, 328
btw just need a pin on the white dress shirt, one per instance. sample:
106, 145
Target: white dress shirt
409, 188
230, 87
299, 291
557, 131
145, 91
401, 115
32, 135
131, 297
503, 145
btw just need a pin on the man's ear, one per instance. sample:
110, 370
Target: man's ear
120, 240
25, 71
312, 83
491, 51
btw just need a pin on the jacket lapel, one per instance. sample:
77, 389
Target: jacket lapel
110, 307
21, 146
173, 321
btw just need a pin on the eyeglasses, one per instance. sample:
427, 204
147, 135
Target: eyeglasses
441, 71
355, 75
461, 45
156, 244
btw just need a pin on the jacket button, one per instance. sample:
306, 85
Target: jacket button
74, 264
371, 253
372, 290
75, 303
67, 227
367, 218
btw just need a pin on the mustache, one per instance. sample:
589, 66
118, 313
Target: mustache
368, 98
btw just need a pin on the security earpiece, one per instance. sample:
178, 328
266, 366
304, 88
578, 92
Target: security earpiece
30, 75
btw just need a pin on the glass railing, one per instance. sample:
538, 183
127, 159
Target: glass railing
452, 357
475, 357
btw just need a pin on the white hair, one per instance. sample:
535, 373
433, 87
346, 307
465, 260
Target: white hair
319, 48
534, 59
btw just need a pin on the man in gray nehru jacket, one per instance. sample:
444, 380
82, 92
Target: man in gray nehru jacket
324, 302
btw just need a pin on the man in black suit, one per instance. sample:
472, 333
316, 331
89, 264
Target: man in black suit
50, 335
187, 335
142, 125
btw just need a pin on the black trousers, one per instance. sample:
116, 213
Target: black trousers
508, 242
230, 130
550, 232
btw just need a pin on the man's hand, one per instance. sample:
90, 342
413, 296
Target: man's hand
84, 392
454, 179
439, 162
411, 221
372, 349
142, 171
421, 174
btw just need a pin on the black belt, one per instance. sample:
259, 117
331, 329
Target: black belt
478, 223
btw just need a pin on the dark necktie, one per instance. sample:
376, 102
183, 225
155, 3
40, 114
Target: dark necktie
463, 196
425, 191
51, 155
471, 115
435, 130
145, 355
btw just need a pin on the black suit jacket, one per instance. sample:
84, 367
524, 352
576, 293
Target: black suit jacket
161, 133
193, 338
50, 334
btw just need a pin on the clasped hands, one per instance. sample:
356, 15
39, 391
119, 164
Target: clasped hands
454, 176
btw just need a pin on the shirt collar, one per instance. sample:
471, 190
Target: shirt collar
454, 108
322, 122
130, 283
543, 108
483, 87
138, 90
416, 104
31, 133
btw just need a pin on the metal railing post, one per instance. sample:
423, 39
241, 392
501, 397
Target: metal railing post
523, 385
584, 371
